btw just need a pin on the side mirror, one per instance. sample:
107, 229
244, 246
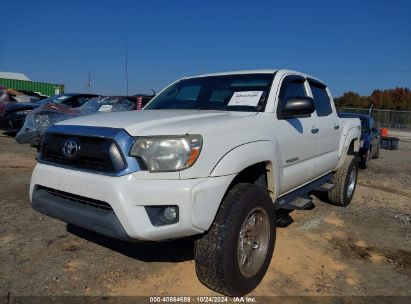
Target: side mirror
298, 107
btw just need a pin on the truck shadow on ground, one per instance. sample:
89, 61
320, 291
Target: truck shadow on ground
9, 133
170, 251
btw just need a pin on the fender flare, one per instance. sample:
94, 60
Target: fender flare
248, 154
346, 141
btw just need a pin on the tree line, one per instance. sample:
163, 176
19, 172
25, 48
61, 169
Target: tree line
391, 99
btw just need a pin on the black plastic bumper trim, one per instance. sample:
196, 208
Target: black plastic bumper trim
98, 220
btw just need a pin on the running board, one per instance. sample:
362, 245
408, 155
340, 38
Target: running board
299, 199
301, 203
325, 187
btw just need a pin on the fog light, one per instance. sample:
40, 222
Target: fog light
170, 214
162, 215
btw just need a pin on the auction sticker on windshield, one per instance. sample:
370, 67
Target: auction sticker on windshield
247, 98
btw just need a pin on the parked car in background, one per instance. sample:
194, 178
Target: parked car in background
4, 101
3, 121
143, 98
139, 100
38, 95
370, 138
16, 112
38, 120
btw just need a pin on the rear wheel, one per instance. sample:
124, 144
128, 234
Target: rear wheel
234, 255
345, 180
377, 153
365, 160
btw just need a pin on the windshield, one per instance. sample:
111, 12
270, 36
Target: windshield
225, 93
106, 104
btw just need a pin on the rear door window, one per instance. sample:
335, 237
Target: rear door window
321, 99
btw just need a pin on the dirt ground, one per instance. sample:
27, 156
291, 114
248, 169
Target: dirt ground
364, 249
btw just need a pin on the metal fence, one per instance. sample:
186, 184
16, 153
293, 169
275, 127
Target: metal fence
398, 123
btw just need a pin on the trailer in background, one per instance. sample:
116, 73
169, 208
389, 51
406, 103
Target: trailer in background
43, 88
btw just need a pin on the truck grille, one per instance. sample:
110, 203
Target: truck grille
96, 154
76, 198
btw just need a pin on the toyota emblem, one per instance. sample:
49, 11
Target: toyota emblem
71, 148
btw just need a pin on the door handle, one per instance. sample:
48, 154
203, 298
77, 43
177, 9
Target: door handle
315, 130
336, 126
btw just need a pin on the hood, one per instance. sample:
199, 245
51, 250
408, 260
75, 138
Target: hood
156, 122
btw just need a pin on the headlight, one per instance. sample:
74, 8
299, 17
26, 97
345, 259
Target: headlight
25, 112
167, 153
43, 120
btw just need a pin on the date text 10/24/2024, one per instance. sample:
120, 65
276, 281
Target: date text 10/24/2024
202, 299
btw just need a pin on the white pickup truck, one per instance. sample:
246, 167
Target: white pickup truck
218, 156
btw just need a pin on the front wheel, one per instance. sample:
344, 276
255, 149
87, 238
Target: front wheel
233, 256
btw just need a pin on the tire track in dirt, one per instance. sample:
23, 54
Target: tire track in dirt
383, 188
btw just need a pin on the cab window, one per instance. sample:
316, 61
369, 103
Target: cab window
321, 99
292, 86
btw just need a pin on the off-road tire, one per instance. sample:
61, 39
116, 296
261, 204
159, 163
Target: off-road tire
340, 195
216, 253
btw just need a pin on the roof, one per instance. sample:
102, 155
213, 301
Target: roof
16, 76
236, 73
263, 71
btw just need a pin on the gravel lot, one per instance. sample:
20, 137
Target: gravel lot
364, 249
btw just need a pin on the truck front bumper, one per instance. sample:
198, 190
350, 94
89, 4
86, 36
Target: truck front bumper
115, 206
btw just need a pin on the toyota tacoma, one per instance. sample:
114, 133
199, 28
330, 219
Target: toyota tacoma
219, 156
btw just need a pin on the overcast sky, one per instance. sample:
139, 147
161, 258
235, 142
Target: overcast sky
352, 46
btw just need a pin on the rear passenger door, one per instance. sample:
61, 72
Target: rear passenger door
329, 129
297, 142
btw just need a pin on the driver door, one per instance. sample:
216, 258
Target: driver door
296, 137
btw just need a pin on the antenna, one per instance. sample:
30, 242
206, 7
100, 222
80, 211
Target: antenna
126, 67
88, 82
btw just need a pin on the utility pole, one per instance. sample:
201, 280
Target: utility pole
126, 67
88, 82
